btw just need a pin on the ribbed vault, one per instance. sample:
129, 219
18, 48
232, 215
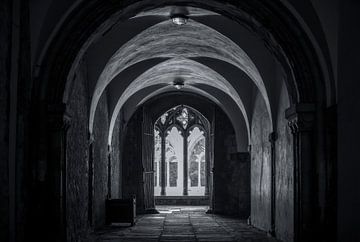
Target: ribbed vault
190, 71
187, 41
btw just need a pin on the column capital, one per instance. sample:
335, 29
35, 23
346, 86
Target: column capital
301, 117
57, 117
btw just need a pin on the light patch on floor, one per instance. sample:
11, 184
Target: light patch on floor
167, 209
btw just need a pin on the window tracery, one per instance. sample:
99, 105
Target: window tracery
184, 131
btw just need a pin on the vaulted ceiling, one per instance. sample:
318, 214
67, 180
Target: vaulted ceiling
134, 56
213, 56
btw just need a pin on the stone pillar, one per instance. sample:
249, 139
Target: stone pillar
91, 181
207, 164
301, 119
272, 140
109, 173
58, 125
211, 160
162, 170
185, 159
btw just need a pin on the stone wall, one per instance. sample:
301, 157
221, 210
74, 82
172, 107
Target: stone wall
115, 160
78, 159
260, 166
101, 126
77, 155
231, 171
23, 129
348, 114
243, 178
284, 211
261, 169
5, 37
132, 161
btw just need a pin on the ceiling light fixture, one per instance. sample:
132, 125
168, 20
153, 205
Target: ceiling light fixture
178, 84
179, 19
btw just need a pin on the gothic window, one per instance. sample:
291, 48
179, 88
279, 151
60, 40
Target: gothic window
184, 132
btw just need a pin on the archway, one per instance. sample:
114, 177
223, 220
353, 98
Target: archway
182, 156
300, 63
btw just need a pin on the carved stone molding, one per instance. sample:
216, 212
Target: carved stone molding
301, 117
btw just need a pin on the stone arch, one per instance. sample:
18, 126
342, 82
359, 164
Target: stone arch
236, 118
190, 71
284, 36
184, 43
185, 119
296, 54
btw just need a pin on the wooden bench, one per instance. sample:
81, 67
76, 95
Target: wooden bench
121, 211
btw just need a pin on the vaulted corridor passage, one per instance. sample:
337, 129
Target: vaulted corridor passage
184, 223
109, 108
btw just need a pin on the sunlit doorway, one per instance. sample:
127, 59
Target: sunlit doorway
181, 158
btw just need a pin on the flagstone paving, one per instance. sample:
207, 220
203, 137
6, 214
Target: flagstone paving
180, 224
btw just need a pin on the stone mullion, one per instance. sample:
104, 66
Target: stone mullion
185, 159
301, 123
199, 174
162, 170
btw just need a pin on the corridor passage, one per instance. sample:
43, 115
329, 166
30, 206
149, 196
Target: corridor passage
183, 224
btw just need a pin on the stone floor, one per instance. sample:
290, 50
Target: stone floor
183, 224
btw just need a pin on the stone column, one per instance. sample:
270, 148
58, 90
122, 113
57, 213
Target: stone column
301, 119
272, 140
109, 173
162, 170
185, 159
207, 164
211, 161
58, 125
91, 180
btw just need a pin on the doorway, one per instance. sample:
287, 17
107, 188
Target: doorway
181, 158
